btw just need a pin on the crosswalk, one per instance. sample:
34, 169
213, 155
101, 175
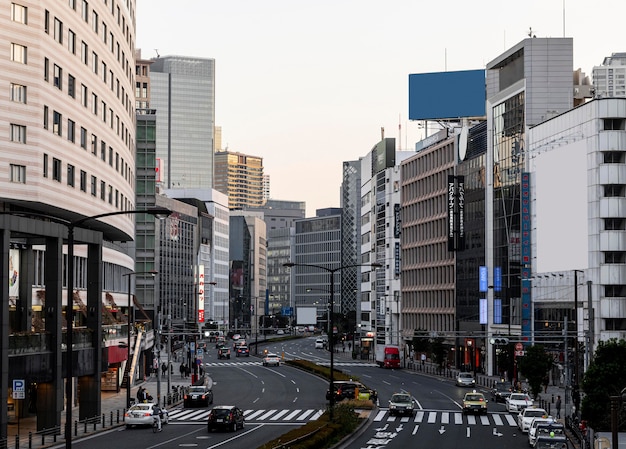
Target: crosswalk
438, 417
256, 362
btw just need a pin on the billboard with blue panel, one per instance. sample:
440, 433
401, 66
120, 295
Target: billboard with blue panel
447, 95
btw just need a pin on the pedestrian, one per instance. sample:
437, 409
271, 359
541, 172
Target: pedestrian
140, 394
182, 370
164, 368
558, 407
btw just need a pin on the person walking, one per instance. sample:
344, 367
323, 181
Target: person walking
558, 407
182, 370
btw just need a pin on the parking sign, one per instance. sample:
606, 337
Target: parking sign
19, 389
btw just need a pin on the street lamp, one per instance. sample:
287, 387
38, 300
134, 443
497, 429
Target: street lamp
131, 325
331, 272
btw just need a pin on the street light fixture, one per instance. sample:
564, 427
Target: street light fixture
131, 325
331, 272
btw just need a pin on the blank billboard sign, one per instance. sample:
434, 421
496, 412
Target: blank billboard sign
306, 315
447, 95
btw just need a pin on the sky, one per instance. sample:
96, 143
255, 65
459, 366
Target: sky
307, 85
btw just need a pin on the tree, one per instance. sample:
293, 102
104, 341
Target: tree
421, 340
605, 377
535, 365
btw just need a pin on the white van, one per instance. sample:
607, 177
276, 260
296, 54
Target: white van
319, 344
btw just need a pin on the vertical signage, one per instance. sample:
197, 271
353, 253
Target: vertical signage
397, 259
482, 279
497, 279
397, 221
456, 213
482, 310
200, 293
526, 258
497, 311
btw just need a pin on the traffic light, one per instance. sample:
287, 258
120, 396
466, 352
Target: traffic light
501, 341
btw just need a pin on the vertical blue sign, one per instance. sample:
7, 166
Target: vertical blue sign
497, 311
482, 279
482, 313
497, 279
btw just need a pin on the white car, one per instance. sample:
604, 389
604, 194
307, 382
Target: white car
465, 380
526, 416
543, 426
141, 415
517, 402
319, 344
271, 359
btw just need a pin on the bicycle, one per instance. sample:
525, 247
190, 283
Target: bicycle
155, 425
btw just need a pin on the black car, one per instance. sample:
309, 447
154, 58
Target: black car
501, 390
226, 417
198, 396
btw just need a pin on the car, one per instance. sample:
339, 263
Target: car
240, 342
401, 404
544, 426
319, 344
474, 402
242, 350
223, 352
501, 390
236, 337
349, 389
198, 396
516, 402
220, 341
465, 380
227, 417
526, 416
280, 332
271, 359
141, 415
551, 442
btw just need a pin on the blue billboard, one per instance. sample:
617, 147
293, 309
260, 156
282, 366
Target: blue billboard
447, 95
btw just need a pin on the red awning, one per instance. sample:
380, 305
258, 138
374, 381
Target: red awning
117, 354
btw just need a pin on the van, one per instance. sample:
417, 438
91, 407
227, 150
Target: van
319, 344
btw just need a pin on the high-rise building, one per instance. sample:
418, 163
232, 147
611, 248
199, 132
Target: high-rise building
609, 79
182, 91
240, 176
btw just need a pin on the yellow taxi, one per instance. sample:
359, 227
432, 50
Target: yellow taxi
474, 402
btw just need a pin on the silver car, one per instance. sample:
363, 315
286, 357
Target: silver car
465, 380
141, 415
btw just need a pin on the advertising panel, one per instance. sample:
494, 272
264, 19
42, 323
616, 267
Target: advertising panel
200, 293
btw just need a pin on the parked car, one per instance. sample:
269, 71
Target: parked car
141, 415
465, 380
198, 396
516, 402
474, 402
226, 417
401, 404
501, 390
525, 417
271, 359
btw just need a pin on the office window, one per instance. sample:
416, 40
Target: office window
84, 95
110, 195
84, 52
70, 130
111, 42
83, 181
94, 21
94, 186
58, 77
18, 173
104, 111
103, 150
45, 165
58, 30
83, 138
111, 156
94, 103
70, 175
73, 4
46, 69
18, 53
18, 133
85, 11
103, 69
19, 13
46, 115
46, 21
56, 169
94, 62
71, 42
57, 117
104, 32
71, 86
94, 144
18, 93
103, 190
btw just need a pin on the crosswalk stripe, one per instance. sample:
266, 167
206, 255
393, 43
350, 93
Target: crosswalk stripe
432, 417
380, 415
511, 420
484, 420
278, 415
471, 420
419, 416
292, 414
253, 415
317, 415
498, 420
201, 416
303, 416
266, 415
445, 418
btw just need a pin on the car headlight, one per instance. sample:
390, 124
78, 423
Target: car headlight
392, 406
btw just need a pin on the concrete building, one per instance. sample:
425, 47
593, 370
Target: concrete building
609, 79
182, 90
68, 155
240, 176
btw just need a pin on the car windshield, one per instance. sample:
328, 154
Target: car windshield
221, 412
520, 397
141, 407
272, 355
400, 398
196, 390
534, 413
465, 375
474, 397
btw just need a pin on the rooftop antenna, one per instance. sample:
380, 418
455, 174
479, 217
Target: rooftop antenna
530, 32
400, 132
157, 52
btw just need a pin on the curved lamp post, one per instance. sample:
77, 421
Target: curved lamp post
331, 272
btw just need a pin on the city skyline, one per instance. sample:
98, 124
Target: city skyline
308, 86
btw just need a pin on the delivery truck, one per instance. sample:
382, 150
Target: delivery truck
388, 356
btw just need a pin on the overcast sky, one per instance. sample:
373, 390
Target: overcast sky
309, 84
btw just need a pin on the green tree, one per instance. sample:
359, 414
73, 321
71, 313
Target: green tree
605, 377
535, 365
438, 351
421, 341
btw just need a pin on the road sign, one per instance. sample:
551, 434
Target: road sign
519, 347
519, 353
19, 389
